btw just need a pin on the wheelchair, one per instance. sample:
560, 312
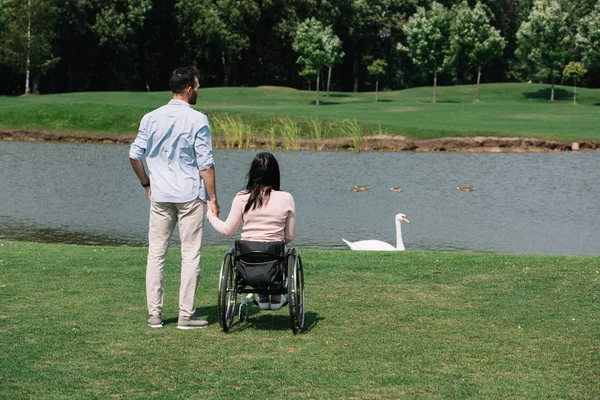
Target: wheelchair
260, 267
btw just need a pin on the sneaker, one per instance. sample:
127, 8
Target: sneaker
278, 301
263, 302
155, 321
191, 323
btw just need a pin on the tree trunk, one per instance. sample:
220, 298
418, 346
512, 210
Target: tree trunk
318, 76
329, 79
355, 72
478, 80
376, 89
226, 69
552, 80
435, 86
35, 83
28, 62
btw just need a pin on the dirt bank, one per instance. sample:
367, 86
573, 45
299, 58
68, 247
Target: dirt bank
368, 143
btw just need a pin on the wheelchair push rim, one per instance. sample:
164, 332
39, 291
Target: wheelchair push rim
226, 304
296, 292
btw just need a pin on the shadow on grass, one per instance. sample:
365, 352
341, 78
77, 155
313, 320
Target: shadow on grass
544, 94
257, 319
339, 95
324, 102
448, 101
276, 322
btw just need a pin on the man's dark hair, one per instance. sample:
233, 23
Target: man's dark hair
182, 78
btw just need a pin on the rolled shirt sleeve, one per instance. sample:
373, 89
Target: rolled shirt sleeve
139, 145
203, 147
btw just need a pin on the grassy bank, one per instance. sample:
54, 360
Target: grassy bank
380, 325
506, 110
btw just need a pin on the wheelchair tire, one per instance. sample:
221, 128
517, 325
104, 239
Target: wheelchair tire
226, 304
296, 291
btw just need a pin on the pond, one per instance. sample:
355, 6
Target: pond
535, 203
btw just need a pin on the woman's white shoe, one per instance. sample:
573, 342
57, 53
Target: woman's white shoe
276, 305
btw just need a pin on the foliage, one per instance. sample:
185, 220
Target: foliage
427, 42
588, 38
473, 38
317, 46
311, 44
377, 67
91, 45
221, 25
117, 21
27, 31
575, 71
544, 38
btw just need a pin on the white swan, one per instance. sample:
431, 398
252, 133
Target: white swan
378, 245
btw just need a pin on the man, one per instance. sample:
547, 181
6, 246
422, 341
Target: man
177, 144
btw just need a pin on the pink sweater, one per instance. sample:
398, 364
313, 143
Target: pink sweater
272, 222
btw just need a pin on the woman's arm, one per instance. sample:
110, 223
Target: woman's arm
290, 223
234, 218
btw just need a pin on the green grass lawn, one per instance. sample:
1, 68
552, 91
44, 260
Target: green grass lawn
379, 325
508, 109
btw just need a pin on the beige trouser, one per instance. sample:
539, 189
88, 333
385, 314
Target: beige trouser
163, 217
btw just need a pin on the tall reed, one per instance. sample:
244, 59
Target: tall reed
290, 133
354, 130
237, 133
318, 130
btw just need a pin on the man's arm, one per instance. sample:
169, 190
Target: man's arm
208, 175
140, 172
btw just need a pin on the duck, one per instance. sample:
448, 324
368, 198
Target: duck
466, 188
378, 245
397, 189
359, 188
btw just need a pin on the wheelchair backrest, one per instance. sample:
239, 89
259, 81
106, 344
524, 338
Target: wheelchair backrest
259, 263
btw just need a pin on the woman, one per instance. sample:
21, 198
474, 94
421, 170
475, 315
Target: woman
269, 214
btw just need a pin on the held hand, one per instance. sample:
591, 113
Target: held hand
149, 193
213, 206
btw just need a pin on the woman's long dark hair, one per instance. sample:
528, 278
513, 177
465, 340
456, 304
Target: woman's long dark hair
262, 178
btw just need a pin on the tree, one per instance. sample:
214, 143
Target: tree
118, 20
311, 43
473, 37
588, 38
25, 43
118, 27
574, 71
377, 68
333, 47
366, 21
427, 41
308, 73
544, 38
223, 26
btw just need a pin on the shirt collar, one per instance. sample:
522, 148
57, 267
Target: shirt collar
178, 103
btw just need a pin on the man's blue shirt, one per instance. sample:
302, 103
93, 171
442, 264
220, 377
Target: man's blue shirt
176, 141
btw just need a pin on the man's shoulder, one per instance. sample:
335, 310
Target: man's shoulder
195, 114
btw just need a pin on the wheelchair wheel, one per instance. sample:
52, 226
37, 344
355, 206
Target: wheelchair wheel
296, 291
226, 304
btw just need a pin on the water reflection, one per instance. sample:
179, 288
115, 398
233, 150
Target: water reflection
522, 203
